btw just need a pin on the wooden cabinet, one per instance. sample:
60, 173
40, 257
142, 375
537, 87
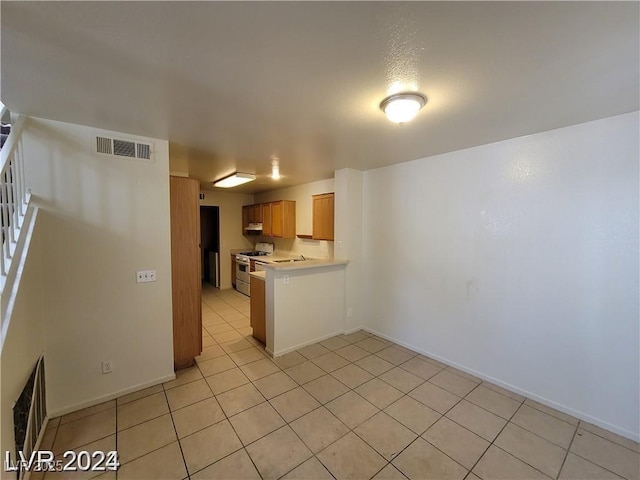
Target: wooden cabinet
266, 219
278, 218
277, 227
255, 214
323, 214
233, 269
258, 309
283, 219
185, 270
251, 214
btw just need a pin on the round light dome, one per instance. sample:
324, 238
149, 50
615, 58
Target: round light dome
402, 107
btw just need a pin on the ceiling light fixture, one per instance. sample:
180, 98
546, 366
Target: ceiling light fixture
402, 107
275, 167
234, 180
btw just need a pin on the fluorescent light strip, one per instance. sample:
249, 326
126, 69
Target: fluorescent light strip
234, 180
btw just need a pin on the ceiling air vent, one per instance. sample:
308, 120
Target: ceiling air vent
124, 148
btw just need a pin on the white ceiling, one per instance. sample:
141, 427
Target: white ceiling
231, 83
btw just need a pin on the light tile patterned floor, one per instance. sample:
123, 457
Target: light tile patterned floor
353, 406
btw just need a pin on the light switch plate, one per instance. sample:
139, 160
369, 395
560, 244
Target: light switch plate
144, 276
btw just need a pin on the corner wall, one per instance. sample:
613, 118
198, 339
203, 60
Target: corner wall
103, 218
349, 241
518, 261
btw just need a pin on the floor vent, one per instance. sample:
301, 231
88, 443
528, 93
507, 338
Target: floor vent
123, 148
29, 413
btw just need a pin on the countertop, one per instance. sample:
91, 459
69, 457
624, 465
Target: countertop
259, 274
313, 263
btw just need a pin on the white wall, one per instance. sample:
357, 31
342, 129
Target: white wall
301, 194
307, 309
231, 237
518, 261
24, 342
103, 219
348, 235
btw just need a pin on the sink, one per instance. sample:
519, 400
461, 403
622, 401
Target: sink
289, 261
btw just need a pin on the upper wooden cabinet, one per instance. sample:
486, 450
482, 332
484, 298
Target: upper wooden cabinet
255, 214
283, 219
323, 209
251, 214
266, 219
278, 218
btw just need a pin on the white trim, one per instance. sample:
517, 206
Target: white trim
319, 339
14, 274
111, 396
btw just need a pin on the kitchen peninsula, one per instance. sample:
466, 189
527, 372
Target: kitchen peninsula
304, 303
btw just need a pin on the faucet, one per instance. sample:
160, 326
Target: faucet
302, 257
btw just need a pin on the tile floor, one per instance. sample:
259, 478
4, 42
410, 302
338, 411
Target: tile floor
353, 406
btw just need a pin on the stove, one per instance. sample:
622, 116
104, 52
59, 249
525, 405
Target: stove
243, 265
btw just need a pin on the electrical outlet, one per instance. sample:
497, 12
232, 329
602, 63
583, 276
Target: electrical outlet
285, 279
107, 366
349, 312
144, 276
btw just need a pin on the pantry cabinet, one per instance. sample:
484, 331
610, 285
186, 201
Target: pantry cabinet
323, 216
186, 279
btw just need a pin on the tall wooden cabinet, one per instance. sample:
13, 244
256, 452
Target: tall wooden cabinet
185, 270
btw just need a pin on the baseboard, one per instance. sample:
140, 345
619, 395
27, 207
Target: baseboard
354, 330
512, 388
111, 396
279, 353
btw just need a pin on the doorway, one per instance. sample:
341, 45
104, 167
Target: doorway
210, 244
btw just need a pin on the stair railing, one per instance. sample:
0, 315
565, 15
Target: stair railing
14, 197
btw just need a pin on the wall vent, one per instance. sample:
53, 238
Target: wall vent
123, 148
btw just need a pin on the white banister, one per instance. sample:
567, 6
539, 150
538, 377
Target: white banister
13, 196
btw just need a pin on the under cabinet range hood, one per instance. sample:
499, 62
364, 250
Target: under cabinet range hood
253, 227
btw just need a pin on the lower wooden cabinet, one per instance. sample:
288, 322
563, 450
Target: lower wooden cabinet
233, 269
258, 309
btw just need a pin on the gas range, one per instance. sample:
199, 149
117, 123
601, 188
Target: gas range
243, 265
262, 249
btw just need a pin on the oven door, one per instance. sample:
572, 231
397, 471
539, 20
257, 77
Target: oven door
242, 272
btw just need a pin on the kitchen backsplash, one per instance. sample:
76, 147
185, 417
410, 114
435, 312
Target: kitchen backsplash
299, 246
